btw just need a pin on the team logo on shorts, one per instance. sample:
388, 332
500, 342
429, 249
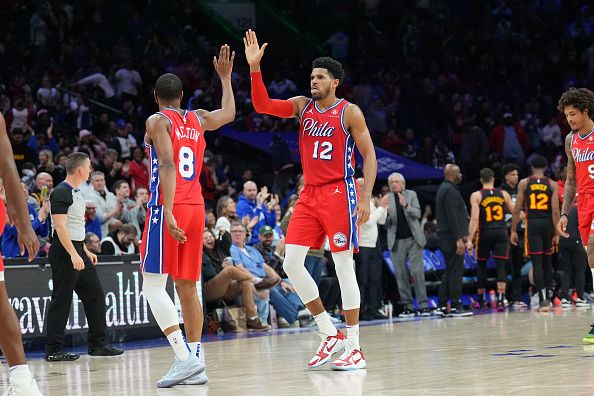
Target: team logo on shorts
339, 239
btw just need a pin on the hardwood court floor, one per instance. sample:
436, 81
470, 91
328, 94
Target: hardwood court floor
519, 353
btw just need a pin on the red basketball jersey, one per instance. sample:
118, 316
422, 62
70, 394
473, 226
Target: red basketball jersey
582, 150
188, 142
326, 147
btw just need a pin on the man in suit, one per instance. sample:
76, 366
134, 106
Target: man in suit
453, 234
406, 241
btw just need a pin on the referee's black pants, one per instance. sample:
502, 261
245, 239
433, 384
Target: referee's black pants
86, 285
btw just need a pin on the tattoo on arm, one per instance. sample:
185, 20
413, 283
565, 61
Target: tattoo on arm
570, 183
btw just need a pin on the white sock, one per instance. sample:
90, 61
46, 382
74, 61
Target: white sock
325, 324
196, 349
179, 345
256, 280
20, 374
353, 336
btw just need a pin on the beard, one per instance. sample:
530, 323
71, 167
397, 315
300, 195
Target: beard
321, 95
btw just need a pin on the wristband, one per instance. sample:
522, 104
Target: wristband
564, 214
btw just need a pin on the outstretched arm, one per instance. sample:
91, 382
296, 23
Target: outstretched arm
262, 103
16, 205
355, 122
212, 120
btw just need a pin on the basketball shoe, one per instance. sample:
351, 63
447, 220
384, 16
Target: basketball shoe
351, 359
328, 346
198, 379
181, 371
23, 387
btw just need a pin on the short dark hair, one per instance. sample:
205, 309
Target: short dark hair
538, 162
168, 86
580, 98
487, 175
74, 161
333, 66
509, 168
128, 229
118, 183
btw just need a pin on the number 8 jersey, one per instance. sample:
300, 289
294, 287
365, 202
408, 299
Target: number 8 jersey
326, 147
187, 138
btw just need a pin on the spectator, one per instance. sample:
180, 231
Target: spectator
226, 214
124, 142
222, 280
405, 242
250, 260
452, 231
142, 198
281, 87
368, 261
29, 173
283, 297
474, 150
111, 167
510, 141
139, 174
21, 151
121, 241
128, 81
10, 245
253, 204
93, 243
92, 222
550, 134
19, 118
130, 208
46, 165
44, 184
88, 143
108, 207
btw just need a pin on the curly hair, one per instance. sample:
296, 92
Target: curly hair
333, 66
580, 98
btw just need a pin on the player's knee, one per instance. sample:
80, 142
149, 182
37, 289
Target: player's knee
184, 286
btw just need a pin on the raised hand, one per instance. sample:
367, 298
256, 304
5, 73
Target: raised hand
253, 52
224, 64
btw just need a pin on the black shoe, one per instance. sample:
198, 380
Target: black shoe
500, 305
377, 315
459, 312
425, 311
105, 350
61, 356
406, 313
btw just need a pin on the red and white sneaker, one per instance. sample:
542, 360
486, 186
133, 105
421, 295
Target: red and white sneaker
351, 359
328, 346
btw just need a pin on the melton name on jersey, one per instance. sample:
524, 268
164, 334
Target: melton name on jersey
325, 145
187, 139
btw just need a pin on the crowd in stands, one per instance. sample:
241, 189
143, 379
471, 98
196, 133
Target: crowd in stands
474, 83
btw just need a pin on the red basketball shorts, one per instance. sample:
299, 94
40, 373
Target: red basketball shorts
585, 206
161, 254
326, 210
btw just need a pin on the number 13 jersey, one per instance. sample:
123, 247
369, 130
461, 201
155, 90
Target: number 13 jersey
325, 145
187, 139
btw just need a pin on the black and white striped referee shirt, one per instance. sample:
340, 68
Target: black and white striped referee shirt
67, 200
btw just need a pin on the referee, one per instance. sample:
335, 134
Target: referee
73, 267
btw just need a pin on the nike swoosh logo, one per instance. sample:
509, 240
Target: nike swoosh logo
328, 348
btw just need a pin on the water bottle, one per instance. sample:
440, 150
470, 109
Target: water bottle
389, 310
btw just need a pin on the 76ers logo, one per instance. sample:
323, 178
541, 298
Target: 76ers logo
339, 239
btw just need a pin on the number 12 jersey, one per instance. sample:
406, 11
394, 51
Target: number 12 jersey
187, 139
326, 147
